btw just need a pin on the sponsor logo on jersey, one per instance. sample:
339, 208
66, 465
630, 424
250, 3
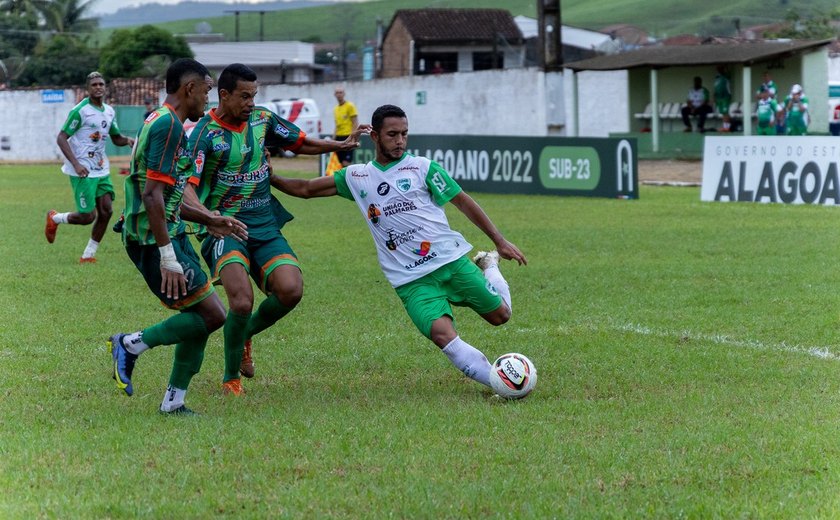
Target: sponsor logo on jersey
383, 189
358, 174
420, 261
261, 120
491, 289
363, 194
104, 123
74, 124
221, 147
199, 162
425, 247
244, 149
398, 207
408, 168
398, 238
212, 134
243, 179
96, 136
281, 130
403, 185
374, 213
232, 201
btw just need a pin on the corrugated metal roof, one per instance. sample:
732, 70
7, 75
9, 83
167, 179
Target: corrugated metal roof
458, 25
663, 56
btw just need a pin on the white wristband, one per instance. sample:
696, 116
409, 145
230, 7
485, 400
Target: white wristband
168, 260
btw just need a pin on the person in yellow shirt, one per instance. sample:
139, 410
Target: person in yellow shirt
346, 121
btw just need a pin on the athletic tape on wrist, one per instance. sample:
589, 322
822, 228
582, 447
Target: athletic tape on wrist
168, 260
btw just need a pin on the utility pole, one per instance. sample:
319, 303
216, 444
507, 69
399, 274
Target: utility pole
550, 40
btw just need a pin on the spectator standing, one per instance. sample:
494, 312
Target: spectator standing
723, 96
796, 111
697, 104
346, 122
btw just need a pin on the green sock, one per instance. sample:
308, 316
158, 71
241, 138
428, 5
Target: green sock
176, 329
189, 355
236, 326
266, 315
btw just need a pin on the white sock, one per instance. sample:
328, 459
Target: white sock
173, 398
60, 218
90, 250
134, 343
494, 276
468, 360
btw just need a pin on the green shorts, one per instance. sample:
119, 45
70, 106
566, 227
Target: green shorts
457, 283
87, 189
265, 255
722, 106
766, 130
147, 260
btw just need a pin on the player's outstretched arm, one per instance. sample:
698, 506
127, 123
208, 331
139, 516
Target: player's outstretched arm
477, 216
218, 226
121, 140
305, 188
313, 146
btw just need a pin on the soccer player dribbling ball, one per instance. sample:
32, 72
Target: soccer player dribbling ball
401, 198
158, 193
82, 141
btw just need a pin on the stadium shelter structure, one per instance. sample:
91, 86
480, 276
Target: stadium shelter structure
661, 76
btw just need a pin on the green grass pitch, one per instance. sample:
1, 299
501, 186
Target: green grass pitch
687, 356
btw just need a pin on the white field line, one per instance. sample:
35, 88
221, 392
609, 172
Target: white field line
720, 339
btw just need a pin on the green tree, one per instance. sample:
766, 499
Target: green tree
142, 52
62, 16
61, 60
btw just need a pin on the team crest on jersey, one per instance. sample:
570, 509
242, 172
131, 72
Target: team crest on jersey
199, 162
374, 213
403, 185
281, 130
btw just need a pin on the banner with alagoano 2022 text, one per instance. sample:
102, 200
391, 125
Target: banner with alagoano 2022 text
588, 167
790, 170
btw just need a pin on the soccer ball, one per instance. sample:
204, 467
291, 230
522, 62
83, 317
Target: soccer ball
513, 376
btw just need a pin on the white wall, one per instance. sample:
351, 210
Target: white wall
513, 102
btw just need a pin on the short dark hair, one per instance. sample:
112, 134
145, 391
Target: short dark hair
379, 115
234, 73
180, 69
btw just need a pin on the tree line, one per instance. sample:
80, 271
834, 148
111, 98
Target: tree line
54, 43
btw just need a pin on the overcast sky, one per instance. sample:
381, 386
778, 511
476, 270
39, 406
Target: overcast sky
111, 6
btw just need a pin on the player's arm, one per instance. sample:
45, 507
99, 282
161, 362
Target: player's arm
305, 188
173, 283
314, 146
64, 146
217, 225
477, 216
121, 140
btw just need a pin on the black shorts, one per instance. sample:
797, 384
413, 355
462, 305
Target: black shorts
344, 157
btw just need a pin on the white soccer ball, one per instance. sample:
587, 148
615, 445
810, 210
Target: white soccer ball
513, 376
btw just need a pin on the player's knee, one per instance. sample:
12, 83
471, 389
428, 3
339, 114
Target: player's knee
290, 295
241, 303
500, 316
214, 318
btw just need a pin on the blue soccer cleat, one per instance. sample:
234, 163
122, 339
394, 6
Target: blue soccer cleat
123, 363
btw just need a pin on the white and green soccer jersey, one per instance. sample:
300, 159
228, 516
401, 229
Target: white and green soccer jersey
403, 205
89, 127
766, 111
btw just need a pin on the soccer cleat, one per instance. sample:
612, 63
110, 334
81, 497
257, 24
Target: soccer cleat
51, 227
486, 259
118, 226
87, 260
123, 363
180, 411
246, 368
234, 386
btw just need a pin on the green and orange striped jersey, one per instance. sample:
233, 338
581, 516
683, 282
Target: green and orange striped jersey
159, 146
233, 169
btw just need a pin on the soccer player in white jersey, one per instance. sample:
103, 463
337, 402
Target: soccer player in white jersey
82, 140
401, 197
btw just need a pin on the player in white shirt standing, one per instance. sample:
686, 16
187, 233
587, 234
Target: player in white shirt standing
82, 140
401, 197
